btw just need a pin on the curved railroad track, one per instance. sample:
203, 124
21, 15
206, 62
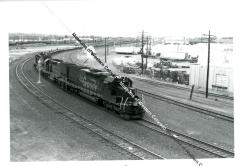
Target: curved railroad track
135, 150
185, 88
188, 106
193, 142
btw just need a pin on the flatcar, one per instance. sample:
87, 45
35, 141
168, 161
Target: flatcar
94, 84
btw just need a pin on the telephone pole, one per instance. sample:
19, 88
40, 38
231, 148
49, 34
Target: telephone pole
105, 50
208, 62
147, 52
142, 51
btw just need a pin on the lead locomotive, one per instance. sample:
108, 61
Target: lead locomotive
96, 85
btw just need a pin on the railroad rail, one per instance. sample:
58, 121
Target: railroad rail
137, 151
188, 106
185, 88
193, 142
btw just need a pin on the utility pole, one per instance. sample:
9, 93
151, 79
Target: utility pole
142, 50
208, 64
93, 38
147, 52
150, 46
105, 50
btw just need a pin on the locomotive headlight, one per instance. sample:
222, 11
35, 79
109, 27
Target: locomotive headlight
135, 103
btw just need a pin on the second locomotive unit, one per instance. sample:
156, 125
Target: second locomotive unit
96, 85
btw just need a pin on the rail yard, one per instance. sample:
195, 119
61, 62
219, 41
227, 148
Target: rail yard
54, 119
120, 83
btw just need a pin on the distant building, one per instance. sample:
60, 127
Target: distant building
219, 77
226, 40
175, 40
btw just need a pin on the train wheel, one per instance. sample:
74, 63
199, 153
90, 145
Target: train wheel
121, 115
116, 110
127, 117
100, 102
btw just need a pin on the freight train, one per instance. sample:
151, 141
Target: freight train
93, 84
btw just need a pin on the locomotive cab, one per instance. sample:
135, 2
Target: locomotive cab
125, 80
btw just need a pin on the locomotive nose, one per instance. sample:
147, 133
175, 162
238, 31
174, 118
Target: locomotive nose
136, 109
136, 112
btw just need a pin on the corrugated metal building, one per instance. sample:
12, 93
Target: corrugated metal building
221, 77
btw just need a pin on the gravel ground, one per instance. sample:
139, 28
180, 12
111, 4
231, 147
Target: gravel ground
197, 125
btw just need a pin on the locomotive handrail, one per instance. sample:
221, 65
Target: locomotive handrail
121, 103
125, 103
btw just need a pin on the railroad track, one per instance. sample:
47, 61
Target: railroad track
193, 142
185, 88
188, 106
137, 151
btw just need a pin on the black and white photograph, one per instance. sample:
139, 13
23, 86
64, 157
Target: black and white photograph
115, 82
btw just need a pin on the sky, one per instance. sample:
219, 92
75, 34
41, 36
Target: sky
121, 17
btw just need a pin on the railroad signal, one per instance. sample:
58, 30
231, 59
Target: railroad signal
39, 65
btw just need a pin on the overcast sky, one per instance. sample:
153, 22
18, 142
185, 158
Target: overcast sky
122, 17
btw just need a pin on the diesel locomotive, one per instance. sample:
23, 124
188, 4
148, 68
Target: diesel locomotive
94, 84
